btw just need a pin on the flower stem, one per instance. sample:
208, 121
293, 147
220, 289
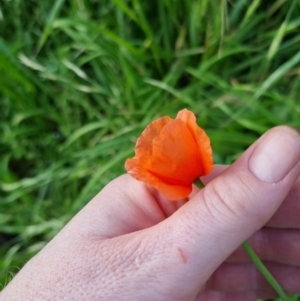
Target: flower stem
264, 271
199, 183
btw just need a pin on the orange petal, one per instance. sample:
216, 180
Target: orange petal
174, 192
144, 142
175, 153
171, 192
171, 154
202, 140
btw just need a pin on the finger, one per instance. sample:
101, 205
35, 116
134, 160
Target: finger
274, 245
232, 277
125, 205
137, 207
287, 216
233, 206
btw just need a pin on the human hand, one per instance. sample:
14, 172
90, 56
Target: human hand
129, 243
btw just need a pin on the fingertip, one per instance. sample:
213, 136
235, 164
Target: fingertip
275, 154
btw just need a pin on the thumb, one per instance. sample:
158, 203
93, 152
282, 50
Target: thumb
236, 204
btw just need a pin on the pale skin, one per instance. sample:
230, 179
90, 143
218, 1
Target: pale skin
129, 243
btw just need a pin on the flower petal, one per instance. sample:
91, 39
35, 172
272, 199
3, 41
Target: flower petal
144, 142
201, 139
172, 191
171, 154
175, 153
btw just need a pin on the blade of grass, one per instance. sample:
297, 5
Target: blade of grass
276, 75
280, 33
48, 29
250, 12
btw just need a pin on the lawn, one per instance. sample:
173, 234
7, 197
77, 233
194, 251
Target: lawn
80, 79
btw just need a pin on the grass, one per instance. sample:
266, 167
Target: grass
80, 79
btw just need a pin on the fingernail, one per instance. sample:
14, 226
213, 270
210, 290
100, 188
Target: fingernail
275, 155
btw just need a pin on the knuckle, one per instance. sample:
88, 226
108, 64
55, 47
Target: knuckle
136, 254
229, 197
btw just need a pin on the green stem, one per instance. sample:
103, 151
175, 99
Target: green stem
199, 183
264, 271
255, 259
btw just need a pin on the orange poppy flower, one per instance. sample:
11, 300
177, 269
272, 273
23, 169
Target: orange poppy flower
171, 154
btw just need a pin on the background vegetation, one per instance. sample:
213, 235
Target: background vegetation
80, 79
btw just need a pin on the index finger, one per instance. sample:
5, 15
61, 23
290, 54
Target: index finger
287, 216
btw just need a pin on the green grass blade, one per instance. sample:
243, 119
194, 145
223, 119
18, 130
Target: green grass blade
276, 75
250, 12
280, 33
47, 31
126, 9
